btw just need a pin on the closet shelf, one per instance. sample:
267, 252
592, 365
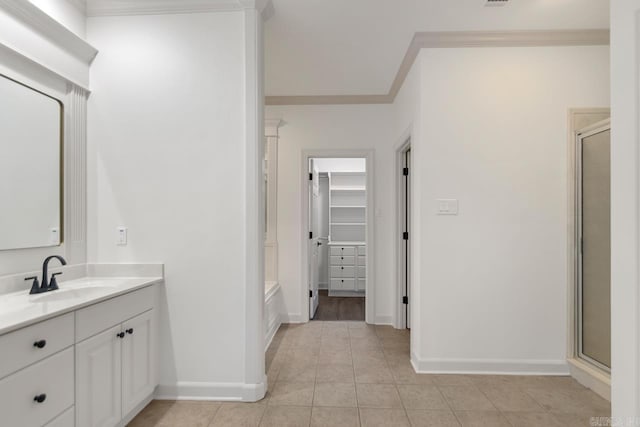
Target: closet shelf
348, 207
348, 189
348, 223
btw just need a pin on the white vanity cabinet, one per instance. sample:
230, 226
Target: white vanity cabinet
115, 368
94, 366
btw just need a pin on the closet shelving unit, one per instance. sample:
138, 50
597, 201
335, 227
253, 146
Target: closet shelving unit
347, 207
347, 233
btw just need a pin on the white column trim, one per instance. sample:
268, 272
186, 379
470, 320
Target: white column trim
254, 362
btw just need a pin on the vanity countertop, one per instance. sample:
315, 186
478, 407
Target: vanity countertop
19, 309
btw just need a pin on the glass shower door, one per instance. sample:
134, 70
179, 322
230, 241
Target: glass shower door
594, 245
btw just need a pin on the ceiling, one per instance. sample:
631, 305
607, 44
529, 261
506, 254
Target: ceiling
355, 47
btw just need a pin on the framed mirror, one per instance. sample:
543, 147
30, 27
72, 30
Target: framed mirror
31, 167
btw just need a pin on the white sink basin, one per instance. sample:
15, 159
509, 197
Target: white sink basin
72, 293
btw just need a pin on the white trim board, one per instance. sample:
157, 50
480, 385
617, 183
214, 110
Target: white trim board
490, 366
454, 39
160, 7
52, 30
234, 392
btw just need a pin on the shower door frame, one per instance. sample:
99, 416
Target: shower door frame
591, 130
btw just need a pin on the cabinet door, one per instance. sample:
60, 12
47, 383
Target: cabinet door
138, 373
99, 380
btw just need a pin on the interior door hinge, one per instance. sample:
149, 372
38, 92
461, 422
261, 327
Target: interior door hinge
405, 235
405, 171
311, 235
405, 300
310, 294
310, 176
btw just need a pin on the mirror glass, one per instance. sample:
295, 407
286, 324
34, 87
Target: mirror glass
30, 167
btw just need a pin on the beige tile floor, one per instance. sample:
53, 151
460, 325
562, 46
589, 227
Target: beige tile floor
337, 374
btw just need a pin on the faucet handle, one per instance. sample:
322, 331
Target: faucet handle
35, 286
53, 283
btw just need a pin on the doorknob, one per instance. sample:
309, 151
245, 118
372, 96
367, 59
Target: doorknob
319, 243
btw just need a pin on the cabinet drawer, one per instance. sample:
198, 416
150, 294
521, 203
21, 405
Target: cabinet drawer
66, 419
343, 250
361, 285
19, 349
362, 272
96, 318
342, 272
342, 284
362, 250
362, 260
342, 260
51, 377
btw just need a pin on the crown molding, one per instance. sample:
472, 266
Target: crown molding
40, 22
454, 39
161, 7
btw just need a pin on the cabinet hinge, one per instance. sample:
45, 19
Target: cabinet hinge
405, 171
311, 235
310, 294
405, 300
405, 235
310, 176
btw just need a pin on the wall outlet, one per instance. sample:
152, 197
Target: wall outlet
447, 206
121, 236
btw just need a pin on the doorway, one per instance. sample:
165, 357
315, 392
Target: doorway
593, 231
337, 241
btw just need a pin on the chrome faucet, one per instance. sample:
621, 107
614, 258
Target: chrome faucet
47, 285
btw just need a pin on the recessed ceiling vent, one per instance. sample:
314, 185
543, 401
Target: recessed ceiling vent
493, 3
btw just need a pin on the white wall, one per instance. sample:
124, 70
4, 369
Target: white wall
70, 13
170, 153
336, 128
493, 133
625, 218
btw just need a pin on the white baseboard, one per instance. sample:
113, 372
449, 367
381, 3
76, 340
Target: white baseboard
591, 377
293, 318
490, 366
271, 332
384, 320
238, 392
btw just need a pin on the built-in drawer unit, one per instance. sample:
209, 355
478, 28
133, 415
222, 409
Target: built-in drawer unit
39, 393
343, 272
343, 284
347, 270
343, 260
343, 250
66, 419
96, 318
28, 345
362, 272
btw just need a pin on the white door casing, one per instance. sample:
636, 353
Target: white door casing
314, 241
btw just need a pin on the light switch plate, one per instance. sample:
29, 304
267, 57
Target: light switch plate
121, 236
447, 206
54, 235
